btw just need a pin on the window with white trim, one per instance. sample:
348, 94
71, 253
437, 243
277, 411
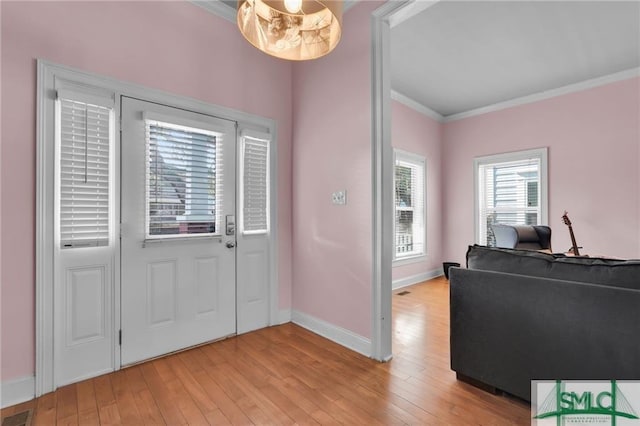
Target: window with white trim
510, 189
84, 134
184, 180
254, 185
409, 183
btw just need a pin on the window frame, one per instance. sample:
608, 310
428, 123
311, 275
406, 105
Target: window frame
538, 153
96, 98
418, 161
255, 136
149, 116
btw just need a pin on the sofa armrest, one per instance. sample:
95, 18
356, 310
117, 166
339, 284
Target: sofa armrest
508, 329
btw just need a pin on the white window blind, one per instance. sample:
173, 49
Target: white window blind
255, 185
84, 138
509, 192
184, 180
410, 230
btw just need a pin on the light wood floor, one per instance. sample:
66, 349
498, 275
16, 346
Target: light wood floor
288, 375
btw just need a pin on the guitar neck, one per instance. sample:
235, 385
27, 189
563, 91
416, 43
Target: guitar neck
576, 252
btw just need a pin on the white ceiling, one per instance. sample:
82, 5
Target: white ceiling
457, 56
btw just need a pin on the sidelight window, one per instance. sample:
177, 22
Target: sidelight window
254, 185
84, 134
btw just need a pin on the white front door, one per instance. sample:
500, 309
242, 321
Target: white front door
177, 244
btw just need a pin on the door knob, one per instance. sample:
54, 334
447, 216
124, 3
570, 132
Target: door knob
231, 244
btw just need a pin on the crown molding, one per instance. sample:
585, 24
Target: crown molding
564, 90
217, 8
409, 11
227, 12
348, 4
417, 106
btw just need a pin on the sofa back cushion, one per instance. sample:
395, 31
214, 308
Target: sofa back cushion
617, 273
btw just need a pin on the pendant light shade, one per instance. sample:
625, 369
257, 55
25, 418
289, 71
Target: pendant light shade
296, 30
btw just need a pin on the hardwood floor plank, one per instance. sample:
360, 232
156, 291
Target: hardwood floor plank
258, 378
110, 415
187, 406
289, 375
181, 396
306, 403
45, 409
229, 377
135, 379
145, 404
87, 405
217, 417
106, 400
199, 396
326, 399
162, 395
67, 404
68, 421
288, 406
196, 362
125, 401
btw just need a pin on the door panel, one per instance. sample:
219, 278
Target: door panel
207, 283
85, 294
84, 341
256, 285
178, 275
161, 292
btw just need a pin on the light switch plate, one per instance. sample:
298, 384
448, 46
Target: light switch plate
339, 197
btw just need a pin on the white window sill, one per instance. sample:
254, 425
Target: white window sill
409, 259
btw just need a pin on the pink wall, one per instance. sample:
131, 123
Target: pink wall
593, 138
416, 133
332, 151
172, 46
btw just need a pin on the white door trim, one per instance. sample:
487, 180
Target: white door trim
48, 73
381, 181
382, 19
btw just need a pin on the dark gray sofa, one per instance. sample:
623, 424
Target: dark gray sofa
520, 315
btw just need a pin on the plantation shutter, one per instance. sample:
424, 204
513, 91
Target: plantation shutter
409, 205
255, 185
184, 179
84, 127
508, 194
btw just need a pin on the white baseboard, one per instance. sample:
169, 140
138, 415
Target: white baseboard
415, 279
17, 391
333, 332
284, 316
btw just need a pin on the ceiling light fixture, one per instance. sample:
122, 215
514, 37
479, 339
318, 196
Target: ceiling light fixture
296, 30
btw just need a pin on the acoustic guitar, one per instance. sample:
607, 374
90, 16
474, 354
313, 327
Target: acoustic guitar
574, 249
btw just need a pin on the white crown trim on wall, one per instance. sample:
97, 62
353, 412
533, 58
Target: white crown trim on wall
217, 7
564, 90
417, 106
